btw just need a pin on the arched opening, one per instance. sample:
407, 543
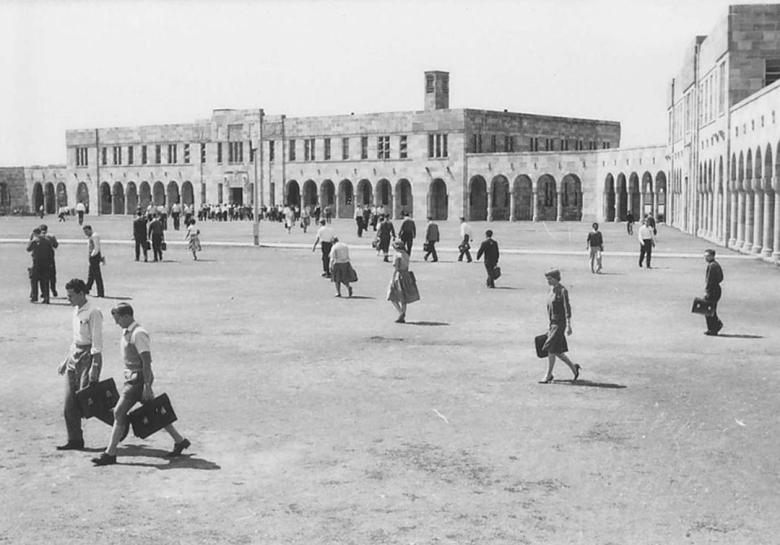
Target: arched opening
365, 196
546, 198
384, 197
172, 193
661, 190
328, 197
118, 199
477, 199
648, 195
609, 198
145, 198
187, 194
82, 195
105, 199
524, 198
49, 199
499, 196
131, 198
292, 193
158, 191
62, 195
634, 196
621, 205
571, 198
38, 199
437, 200
346, 200
310, 194
404, 203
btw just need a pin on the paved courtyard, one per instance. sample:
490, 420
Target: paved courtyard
319, 420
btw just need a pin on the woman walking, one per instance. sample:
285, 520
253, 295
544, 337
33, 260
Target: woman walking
340, 267
403, 286
559, 311
193, 237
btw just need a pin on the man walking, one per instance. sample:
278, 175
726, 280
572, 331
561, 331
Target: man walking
139, 235
466, 236
595, 244
489, 248
407, 232
95, 260
712, 279
431, 238
135, 348
80, 209
646, 243
156, 229
82, 365
325, 236
630, 223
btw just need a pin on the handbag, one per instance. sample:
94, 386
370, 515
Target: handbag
496, 272
702, 306
426, 246
539, 341
164, 246
97, 399
152, 416
147, 245
353, 277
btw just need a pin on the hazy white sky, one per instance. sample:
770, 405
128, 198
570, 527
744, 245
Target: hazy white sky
84, 64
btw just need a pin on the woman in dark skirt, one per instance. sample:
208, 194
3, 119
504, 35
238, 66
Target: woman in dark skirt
403, 287
559, 311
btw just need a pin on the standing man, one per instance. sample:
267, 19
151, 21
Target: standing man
367, 217
42, 261
135, 347
53, 272
80, 209
176, 214
489, 247
82, 365
156, 234
466, 236
407, 232
431, 238
630, 223
646, 243
651, 223
139, 235
385, 233
712, 279
595, 244
325, 236
95, 260
359, 221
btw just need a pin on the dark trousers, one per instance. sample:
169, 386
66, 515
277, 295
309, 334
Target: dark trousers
630, 227
491, 282
713, 322
408, 244
53, 278
325, 246
74, 381
175, 217
646, 249
81, 217
141, 245
431, 251
157, 241
95, 276
464, 245
39, 277
359, 222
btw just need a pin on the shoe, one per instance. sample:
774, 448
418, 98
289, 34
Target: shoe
33, 300
72, 445
178, 448
577, 368
719, 327
349, 289
54, 293
45, 301
104, 459
401, 319
548, 380
338, 295
711, 333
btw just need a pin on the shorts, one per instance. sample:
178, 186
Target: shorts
131, 392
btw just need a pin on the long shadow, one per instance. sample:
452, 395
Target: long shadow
360, 297
56, 304
186, 461
590, 384
506, 288
170, 261
422, 322
610, 274
205, 260
117, 298
738, 336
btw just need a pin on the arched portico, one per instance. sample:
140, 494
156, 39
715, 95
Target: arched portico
105, 199
634, 202
621, 198
82, 195
187, 194
118, 199
609, 198
546, 199
49, 198
437, 200
659, 203
62, 195
310, 194
523, 195
292, 193
131, 198
145, 195
571, 198
346, 200
158, 192
647, 202
38, 198
477, 199
383, 196
364, 194
172, 193
403, 198
499, 204
328, 196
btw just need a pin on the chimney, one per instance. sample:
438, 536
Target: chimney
437, 90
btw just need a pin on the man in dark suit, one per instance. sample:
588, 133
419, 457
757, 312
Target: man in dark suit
712, 279
53, 272
489, 248
407, 233
43, 260
139, 235
156, 228
431, 238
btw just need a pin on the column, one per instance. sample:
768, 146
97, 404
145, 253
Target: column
776, 226
618, 205
748, 242
536, 206
490, 205
733, 232
740, 220
512, 206
654, 205
641, 204
559, 213
615, 208
769, 242
758, 228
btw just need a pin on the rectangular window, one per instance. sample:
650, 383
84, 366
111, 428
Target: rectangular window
236, 152
104, 156
172, 154
431, 139
186, 153
547, 144
437, 145
130, 158
326, 149
308, 150
291, 151
144, 155
364, 147
219, 152
116, 153
402, 152
202, 152
383, 147
771, 71
722, 89
157, 154
345, 148
509, 143
81, 157
429, 83
271, 151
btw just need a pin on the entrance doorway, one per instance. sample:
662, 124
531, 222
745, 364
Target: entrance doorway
237, 195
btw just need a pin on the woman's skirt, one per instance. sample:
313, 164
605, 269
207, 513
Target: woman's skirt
341, 273
403, 289
556, 339
194, 244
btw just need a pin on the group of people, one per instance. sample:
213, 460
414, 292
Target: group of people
149, 234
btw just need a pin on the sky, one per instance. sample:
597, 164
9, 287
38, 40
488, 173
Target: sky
75, 64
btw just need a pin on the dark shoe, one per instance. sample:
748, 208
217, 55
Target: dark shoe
33, 300
548, 380
577, 368
72, 445
54, 293
711, 333
349, 289
104, 460
338, 295
45, 301
719, 327
401, 319
178, 448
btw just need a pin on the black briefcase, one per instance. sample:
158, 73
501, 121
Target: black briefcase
496, 272
539, 341
702, 306
152, 416
98, 399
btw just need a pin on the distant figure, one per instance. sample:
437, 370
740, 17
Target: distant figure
95, 260
630, 223
359, 221
42, 262
54, 244
340, 268
139, 236
325, 236
559, 312
62, 213
407, 232
651, 223
431, 238
80, 209
40, 211
385, 233
646, 243
193, 239
403, 287
175, 215
466, 236
489, 248
155, 230
712, 279
595, 244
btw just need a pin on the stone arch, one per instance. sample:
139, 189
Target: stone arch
500, 199
145, 195
310, 194
571, 198
187, 194
660, 192
648, 195
477, 198
104, 202
758, 174
621, 198
38, 197
62, 195
546, 198
404, 198
383, 196
523, 189
49, 198
172, 193
437, 200
634, 196
364, 195
292, 193
131, 198
346, 200
609, 198
158, 193
82, 195
328, 196
118, 199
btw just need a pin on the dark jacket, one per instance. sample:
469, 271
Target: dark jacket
432, 233
42, 252
489, 248
408, 230
139, 229
156, 229
713, 277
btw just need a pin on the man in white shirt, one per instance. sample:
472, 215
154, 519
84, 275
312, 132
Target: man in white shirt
466, 236
85, 358
80, 209
325, 236
646, 243
95, 259
176, 214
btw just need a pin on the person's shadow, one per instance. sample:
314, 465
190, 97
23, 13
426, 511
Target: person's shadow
426, 323
738, 336
589, 384
185, 461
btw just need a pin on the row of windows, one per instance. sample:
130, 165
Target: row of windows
118, 157
383, 148
535, 143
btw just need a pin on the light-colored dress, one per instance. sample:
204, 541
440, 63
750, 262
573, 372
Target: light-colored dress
403, 285
193, 235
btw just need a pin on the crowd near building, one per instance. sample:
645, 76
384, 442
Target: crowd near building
716, 177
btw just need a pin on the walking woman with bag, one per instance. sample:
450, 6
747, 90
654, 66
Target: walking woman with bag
559, 311
403, 286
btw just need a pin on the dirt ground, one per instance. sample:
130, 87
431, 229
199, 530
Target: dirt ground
317, 420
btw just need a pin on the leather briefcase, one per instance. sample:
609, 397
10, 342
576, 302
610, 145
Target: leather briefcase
539, 341
702, 306
152, 416
98, 399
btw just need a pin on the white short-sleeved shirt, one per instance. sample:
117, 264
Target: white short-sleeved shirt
88, 327
325, 233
